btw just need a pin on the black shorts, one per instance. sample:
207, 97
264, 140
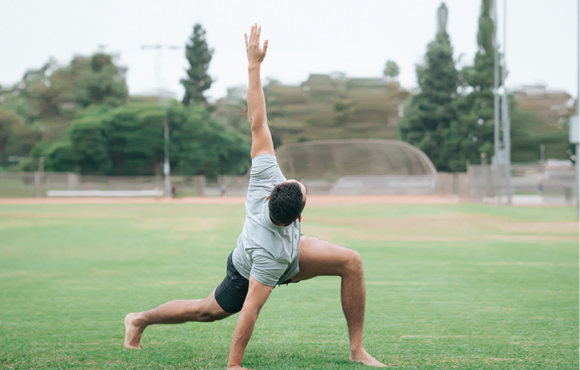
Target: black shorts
232, 291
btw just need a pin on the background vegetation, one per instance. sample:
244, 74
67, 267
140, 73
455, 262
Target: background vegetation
80, 118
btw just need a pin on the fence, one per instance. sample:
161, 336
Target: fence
551, 183
29, 184
531, 183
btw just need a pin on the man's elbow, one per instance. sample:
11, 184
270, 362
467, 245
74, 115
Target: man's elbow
258, 121
252, 308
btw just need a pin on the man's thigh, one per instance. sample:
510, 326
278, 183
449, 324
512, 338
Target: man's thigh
321, 258
213, 308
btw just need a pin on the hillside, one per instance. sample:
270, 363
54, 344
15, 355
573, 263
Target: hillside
545, 116
324, 107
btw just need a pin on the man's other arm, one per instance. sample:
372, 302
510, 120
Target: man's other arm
258, 293
261, 137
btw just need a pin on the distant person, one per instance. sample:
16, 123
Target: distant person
270, 250
173, 191
223, 190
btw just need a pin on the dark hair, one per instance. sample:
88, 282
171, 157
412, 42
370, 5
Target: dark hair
286, 202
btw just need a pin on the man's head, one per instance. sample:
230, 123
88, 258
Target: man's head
287, 200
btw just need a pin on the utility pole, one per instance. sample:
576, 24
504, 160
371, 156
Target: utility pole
574, 131
163, 101
39, 178
506, 111
496, 147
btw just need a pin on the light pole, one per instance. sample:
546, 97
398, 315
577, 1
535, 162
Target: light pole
163, 102
575, 126
495, 89
502, 131
506, 124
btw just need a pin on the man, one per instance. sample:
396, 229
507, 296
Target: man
270, 250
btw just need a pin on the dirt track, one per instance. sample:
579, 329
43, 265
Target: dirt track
312, 200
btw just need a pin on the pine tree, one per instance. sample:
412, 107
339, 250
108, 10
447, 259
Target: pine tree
199, 55
472, 133
429, 114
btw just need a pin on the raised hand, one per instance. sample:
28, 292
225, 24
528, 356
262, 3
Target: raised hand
255, 54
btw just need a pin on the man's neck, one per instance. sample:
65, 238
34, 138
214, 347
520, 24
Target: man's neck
276, 222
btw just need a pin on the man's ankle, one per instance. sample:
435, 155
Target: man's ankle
358, 351
139, 321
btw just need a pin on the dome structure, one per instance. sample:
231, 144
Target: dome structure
358, 166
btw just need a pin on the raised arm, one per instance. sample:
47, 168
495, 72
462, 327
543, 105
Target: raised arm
261, 137
258, 293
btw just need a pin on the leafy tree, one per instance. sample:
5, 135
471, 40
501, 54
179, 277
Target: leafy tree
391, 69
429, 114
201, 145
49, 97
54, 92
16, 138
90, 144
30, 98
198, 55
134, 136
124, 141
129, 141
99, 81
62, 156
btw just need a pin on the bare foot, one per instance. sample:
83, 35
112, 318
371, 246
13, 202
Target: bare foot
366, 359
133, 332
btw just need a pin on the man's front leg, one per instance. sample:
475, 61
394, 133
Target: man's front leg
173, 312
320, 258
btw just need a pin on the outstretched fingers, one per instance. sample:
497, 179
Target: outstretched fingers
258, 32
253, 48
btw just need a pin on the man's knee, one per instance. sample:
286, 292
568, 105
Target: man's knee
352, 262
207, 313
209, 316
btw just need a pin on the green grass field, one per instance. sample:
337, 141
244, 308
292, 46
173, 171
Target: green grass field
448, 286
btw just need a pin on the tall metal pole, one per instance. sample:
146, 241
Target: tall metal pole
495, 89
166, 169
577, 154
505, 112
163, 102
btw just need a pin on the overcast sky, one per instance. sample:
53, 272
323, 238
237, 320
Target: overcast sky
305, 36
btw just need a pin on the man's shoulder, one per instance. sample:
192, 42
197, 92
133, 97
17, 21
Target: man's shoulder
264, 175
263, 163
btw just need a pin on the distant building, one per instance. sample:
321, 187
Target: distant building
554, 107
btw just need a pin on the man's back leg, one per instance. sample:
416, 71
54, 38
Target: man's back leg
320, 258
172, 312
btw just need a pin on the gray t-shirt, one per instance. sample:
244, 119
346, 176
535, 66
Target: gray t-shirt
266, 251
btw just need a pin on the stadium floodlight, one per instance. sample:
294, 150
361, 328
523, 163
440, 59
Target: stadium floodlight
496, 146
574, 139
574, 136
163, 101
502, 130
505, 116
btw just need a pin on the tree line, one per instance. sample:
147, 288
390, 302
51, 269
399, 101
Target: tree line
451, 118
80, 118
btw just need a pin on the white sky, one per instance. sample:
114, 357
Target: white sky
306, 36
